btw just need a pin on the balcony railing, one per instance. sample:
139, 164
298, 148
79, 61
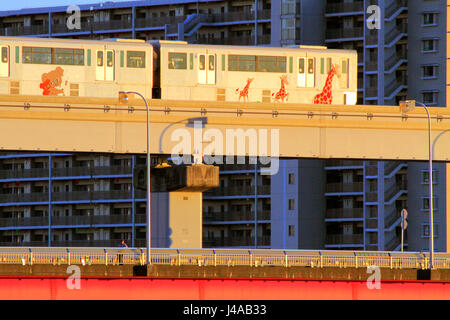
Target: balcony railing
24, 31
238, 191
344, 163
236, 216
65, 172
344, 33
344, 187
159, 21
356, 6
345, 239
236, 242
339, 213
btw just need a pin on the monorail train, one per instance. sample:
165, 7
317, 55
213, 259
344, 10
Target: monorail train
176, 70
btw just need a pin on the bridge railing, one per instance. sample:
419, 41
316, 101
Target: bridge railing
221, 257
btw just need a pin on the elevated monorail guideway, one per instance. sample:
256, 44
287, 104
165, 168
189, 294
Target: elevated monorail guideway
75, 124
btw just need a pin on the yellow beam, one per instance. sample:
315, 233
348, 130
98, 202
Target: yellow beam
86, 125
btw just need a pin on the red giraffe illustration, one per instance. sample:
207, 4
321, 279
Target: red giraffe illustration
244, 92
282, 94
326, 96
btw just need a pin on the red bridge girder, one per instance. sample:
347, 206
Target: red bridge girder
33, 288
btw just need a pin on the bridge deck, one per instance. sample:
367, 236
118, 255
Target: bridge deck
311, 131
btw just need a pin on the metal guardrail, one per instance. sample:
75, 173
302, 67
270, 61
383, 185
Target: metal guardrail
222, 257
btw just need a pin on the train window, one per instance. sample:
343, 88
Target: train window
328, 65
257, 63
310, 66
212, 63
271, 64
99, 58
301, 66
74, 57
4, 54
89, 57
241, 63
178, 60
344, 66
191, 61
109, 59
136, 59
37, 55
201, 61
322, 65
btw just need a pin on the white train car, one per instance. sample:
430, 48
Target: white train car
255, 74
65, 67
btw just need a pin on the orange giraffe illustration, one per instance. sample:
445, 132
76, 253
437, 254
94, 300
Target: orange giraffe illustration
282, 94
244, 92
326, 96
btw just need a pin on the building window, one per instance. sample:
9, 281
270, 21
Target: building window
426, 231
291, 231
429, 72
291, 178
426, 177
426, 203
430, 97
291, 204
429, 45
429, 19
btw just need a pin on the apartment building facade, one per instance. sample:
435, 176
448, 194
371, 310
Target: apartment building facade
309, 204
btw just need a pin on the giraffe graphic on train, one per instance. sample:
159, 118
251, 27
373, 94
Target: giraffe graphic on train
244, 92
326, 96
282, 93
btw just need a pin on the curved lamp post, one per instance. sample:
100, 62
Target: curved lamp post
406, 106
123, 96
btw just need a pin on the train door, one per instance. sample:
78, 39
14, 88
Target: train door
4, 62
105, 65
301, 76
202, 68
311, 73
211, 73
206, 69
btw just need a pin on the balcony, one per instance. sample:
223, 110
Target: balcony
233, 241
91, 195
238, 191
372, 196
155, 22
24, 198
341, 187
24, 31
356, 7
344, 239
344, 213
86, 27
236, 216
24, 174
344, 34
344, 163
242, 41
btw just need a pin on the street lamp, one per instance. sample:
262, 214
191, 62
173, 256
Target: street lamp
406, 106
123, 97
